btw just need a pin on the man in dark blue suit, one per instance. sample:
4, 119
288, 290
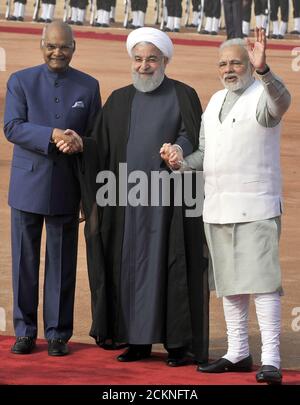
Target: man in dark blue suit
44, 105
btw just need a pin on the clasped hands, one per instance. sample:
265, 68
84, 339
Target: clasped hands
172, 155
67, 141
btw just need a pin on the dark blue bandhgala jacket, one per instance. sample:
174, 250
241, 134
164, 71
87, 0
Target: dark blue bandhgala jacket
43, 180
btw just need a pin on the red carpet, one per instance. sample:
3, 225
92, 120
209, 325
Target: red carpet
89, 365
107, 36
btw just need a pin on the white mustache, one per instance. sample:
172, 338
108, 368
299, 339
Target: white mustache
230, 76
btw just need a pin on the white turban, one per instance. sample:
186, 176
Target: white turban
152, 35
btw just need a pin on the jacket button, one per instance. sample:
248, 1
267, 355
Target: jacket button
56, 83
56, 99
57, 116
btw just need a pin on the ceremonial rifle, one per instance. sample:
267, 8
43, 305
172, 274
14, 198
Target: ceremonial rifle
267, 14
66, 10
36, 9
92, 12
127, 7
187, 12
201, 15
7, 11
162, 10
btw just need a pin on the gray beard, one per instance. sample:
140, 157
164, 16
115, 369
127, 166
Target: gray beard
148, 84
242, 83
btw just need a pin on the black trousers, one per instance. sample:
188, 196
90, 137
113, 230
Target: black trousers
233, 11
103, 5
247, 5
79, 3
296, 5
284, 10
212, 8
260, 7
139, 5
196, 4
20, 1
174, 8
49, 2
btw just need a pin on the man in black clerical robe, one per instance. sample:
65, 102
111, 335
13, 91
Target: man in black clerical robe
148, 275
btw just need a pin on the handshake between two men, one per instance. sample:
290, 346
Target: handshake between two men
67, 141
172, 155
70, 142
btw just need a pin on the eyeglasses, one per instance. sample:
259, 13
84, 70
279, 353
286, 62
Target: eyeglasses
150, 59
53, 47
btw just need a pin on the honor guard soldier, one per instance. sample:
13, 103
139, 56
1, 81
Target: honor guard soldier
48, 8
279, 31
19, 11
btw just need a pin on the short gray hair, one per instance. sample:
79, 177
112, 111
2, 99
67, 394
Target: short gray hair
236, 42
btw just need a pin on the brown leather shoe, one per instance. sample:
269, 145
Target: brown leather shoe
23, 345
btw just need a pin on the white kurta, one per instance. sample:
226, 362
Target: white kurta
244, 257
242, 196
241, 162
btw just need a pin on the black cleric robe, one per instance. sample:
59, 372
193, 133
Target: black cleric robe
170, 305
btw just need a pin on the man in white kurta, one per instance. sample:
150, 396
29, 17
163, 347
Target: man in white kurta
242, 206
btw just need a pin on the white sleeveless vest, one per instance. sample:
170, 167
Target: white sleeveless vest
241, 163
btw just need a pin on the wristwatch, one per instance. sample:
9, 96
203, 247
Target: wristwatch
263, 72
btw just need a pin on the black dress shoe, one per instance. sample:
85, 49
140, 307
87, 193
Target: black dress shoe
177, 357
57, 347
270, 375
110, 345
223, 365
23, 345
135, 353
